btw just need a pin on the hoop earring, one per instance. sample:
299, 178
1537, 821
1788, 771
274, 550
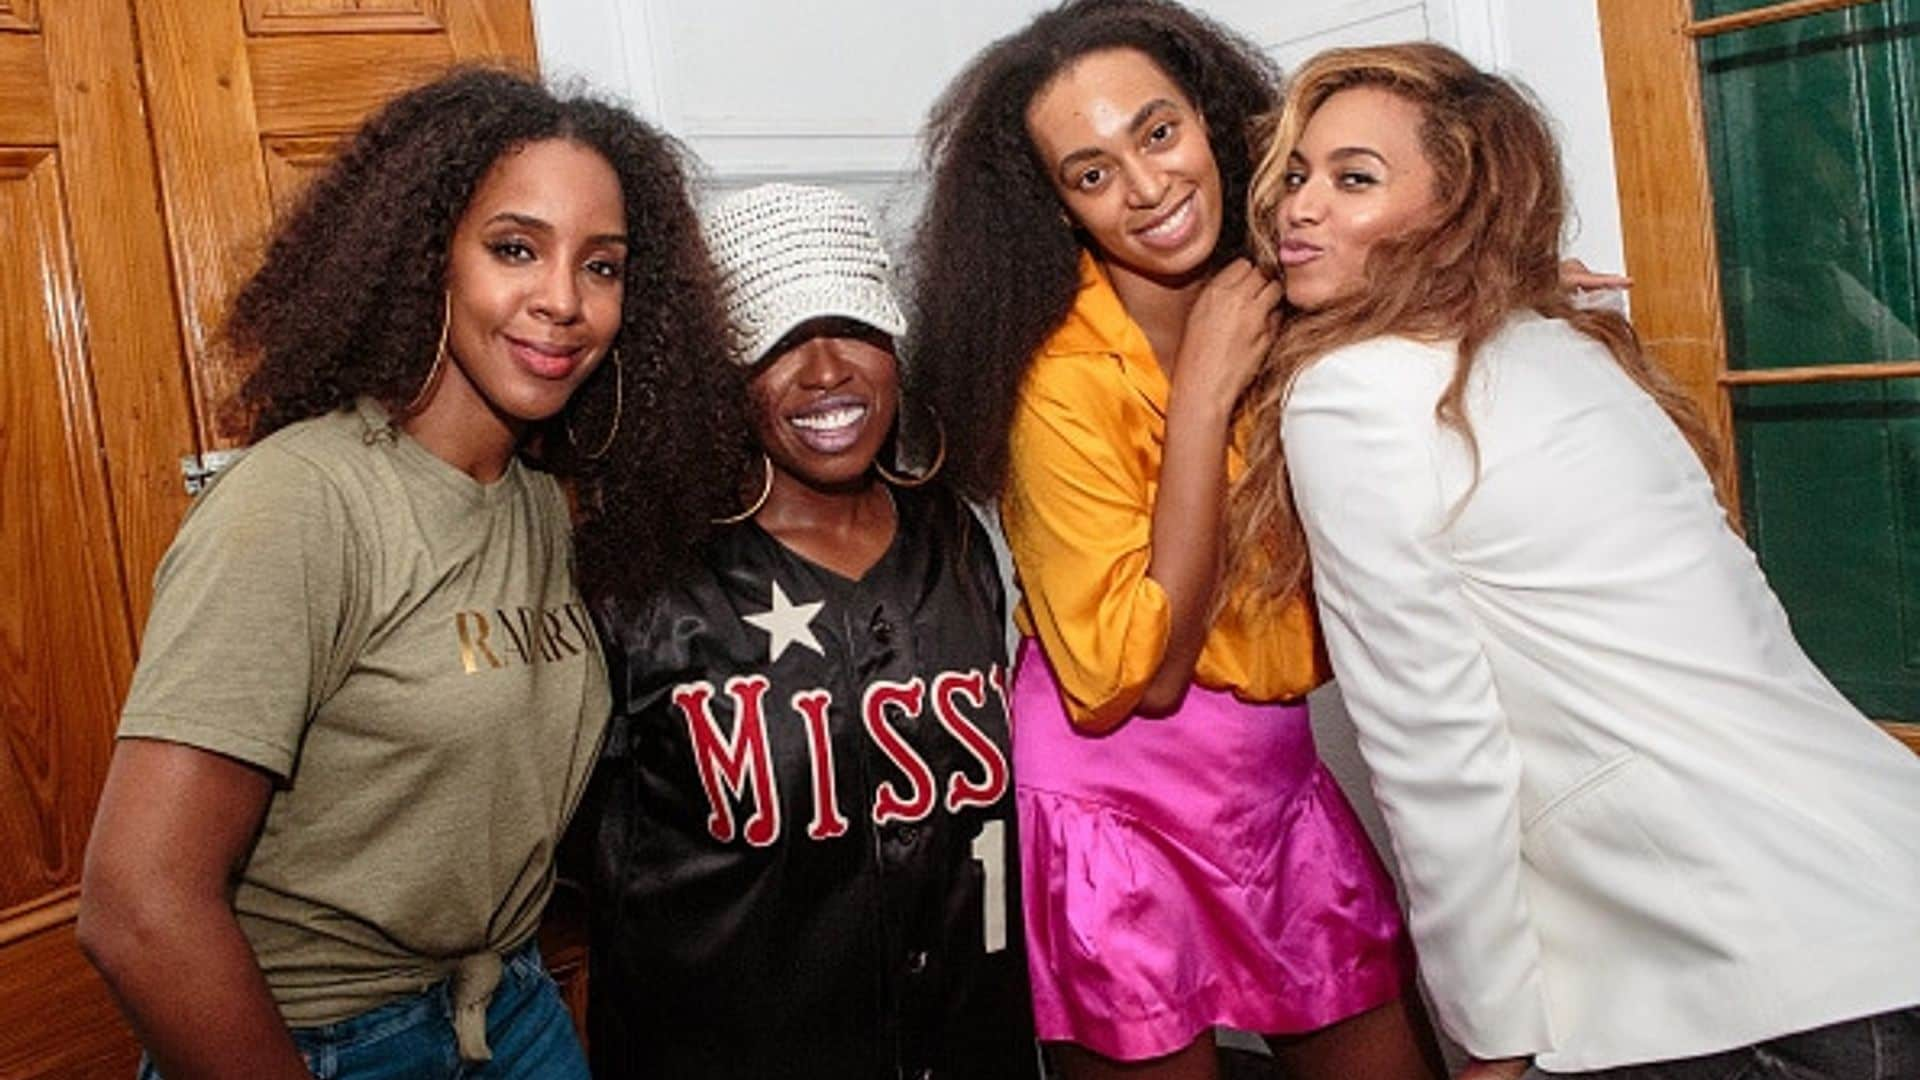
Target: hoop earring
766, 491
439, 361
939, 458
619, 404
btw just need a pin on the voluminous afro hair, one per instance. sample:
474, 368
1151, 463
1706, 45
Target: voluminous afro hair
995, 264
350, 297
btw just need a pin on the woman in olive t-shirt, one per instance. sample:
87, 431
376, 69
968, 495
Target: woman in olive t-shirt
369, 693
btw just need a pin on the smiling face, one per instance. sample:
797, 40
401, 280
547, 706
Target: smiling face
824, 402
1357, 175
1129, 157
535, 278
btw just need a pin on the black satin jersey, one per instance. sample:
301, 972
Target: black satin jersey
802, 824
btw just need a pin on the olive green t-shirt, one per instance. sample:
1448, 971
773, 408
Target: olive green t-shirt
404, 648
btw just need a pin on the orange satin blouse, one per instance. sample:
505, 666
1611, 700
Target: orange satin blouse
1087, 437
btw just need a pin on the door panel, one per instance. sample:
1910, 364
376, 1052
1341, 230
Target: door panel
56, 548
26, 98
93, 421
231, 86
56, 1040
336, 16
292, 161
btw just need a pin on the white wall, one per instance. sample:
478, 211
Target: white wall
835, 90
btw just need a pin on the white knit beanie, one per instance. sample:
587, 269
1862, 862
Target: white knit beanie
789, 253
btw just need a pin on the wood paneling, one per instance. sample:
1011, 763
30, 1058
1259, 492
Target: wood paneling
199, 88
344, 16
58, 566
26, 98
1653, 90
496, 30
329, 84
18, 15
1906, 733
292, 161
138, 361
60, 906
57, 1021
91, 397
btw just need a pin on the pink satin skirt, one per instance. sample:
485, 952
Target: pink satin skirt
1197, 869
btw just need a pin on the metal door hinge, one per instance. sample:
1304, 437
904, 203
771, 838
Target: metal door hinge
198, 470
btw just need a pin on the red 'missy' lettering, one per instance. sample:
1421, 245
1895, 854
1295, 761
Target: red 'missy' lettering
828, 822
888, 804
962, 791
733, 764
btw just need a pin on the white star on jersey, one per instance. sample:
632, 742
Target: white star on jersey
787, 624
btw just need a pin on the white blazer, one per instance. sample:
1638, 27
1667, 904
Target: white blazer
1634, 822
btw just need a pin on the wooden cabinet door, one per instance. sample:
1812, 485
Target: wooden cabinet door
93, 421
143, 145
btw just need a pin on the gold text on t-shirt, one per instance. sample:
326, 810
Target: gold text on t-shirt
496, 639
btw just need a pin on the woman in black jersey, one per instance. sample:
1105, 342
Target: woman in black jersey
802, 825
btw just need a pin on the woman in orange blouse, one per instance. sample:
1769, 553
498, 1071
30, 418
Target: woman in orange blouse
1088, 331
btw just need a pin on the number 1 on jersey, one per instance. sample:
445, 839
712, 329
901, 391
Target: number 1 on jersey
990, 850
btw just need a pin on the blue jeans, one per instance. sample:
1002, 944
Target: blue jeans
1883, 1047
528, 1030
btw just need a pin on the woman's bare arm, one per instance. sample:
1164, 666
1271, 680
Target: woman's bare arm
156, 912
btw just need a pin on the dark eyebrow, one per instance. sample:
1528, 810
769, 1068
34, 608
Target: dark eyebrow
1140, 117
1357, 151
534, 224
525, 221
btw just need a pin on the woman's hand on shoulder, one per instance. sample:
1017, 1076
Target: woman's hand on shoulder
1577, 276
1228, 333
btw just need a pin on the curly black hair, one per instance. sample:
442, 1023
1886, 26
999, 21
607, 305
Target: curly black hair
994, 263
349, 301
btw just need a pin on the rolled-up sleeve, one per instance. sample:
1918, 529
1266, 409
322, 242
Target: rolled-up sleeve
1078, 518
1363, 448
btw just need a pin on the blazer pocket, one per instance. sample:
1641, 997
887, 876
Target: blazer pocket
1599, 775
1624, 866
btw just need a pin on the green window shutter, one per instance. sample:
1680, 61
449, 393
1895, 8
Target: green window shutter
1813, 128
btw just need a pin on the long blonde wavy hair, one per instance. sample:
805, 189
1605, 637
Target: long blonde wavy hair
1490, 246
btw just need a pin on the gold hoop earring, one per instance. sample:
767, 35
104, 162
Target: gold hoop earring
939, 458
439, 361
619, 404
766, 491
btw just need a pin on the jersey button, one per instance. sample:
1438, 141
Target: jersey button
916, 961
882, 629
924, 1074
905, 834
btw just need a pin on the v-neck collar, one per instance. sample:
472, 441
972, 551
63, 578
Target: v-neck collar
1099, 324
840, 581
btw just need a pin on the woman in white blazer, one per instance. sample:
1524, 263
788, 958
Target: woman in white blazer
1639, 831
